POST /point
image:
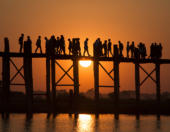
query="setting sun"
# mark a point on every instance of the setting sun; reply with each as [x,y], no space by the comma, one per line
[85,63]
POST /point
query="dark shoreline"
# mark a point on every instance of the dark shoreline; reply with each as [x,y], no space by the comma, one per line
[161,109]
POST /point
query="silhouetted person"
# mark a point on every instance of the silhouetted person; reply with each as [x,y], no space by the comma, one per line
[109,47]
[144,54]
[38,44]
[105,48]
[132,49]
[120,48]
[78,47]
[70,46]
[156,51]
[57,45]
[95,48]
[152,50]
[47,45]
[62,44]
[136,53]
[142,50]
[127,49]
[86,47]
[29,40]
[6,41]
[21,42]
[73,46]
[160,50]
[52,45]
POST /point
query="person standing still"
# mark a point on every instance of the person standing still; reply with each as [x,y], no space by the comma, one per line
[21,42]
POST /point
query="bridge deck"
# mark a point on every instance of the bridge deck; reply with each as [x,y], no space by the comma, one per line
[71,57]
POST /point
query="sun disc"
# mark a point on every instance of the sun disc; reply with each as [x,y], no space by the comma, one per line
[85,63]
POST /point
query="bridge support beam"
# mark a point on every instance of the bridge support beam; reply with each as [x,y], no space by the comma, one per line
[48,82]
[96,79]
[76,76]
[116,74]
[137,81]
[6,79]
[158,94]
[53,77]
[28,78]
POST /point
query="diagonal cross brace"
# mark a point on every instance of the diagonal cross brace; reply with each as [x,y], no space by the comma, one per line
[16,74]
[111,71]
[65,72]
[64,75]
[18,71]
[106,71]
[148,75]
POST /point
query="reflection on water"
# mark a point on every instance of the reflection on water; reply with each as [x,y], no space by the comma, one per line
[85,123]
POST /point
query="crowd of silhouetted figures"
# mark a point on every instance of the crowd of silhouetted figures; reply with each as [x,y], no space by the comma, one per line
[56,45]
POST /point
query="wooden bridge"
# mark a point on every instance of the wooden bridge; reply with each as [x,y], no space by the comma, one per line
[51,63]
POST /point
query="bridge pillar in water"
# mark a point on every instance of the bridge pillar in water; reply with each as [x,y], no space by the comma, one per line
[76,76]
[6,78]
[53,77]
[48,78]
[116,73]
[137,81]
[96,79]
[28,78]
[158,94]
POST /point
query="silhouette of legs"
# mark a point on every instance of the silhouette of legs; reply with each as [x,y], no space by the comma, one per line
[86,50]
[20,48]
[38,47]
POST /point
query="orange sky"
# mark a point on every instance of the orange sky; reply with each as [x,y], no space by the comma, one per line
[146,21]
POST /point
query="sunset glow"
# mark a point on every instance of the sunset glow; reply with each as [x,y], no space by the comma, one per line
[85,63]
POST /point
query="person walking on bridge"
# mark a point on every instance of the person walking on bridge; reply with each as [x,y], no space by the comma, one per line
[109,47]
[86,47]
[127,49]
[120,48]
[62,45]
[21,42]
[38,44]
[105,48]
[70,46]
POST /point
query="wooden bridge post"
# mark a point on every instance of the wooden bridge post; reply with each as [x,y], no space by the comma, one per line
[28,78]
[96,79]
[76,76]
[53,76]
[137,81]
[6,78]
[48,78]
[116,73]
[158,94]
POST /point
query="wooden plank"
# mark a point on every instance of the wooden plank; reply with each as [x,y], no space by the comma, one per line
[92,58]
